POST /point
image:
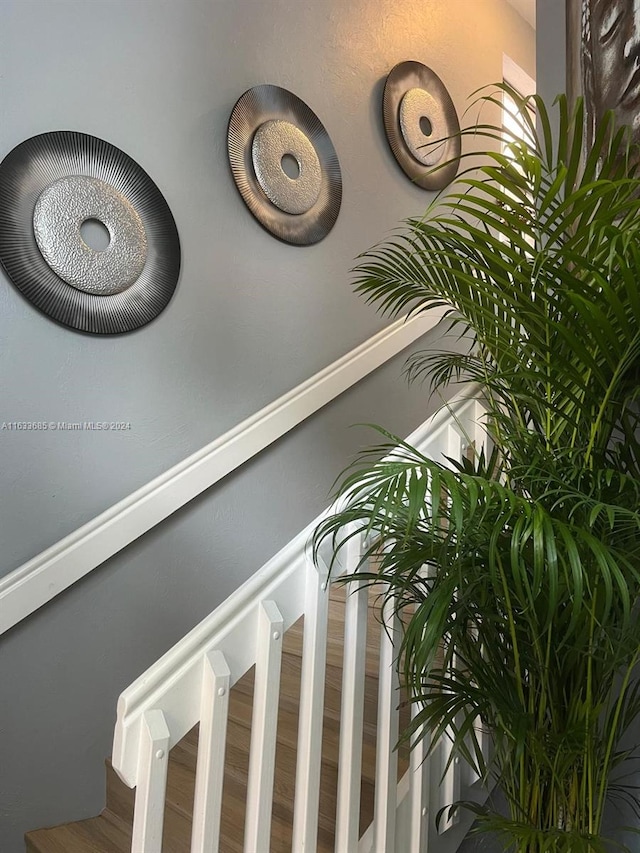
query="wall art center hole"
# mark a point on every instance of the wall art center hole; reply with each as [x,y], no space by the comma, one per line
[95,234]
[290,166]
[425,126]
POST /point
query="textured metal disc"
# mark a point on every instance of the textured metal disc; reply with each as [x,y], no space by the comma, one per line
[266,124]
[273,141]
[49,185]
[60,212]
[422,125]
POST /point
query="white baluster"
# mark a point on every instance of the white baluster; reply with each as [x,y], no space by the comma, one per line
[314,653]
[386,755]
[455,444]
[450,787]
[472,776]
[478,426]
[419,788]
[214,708]
[264,724]
[352,707]
[481,739]
[480,439]
[153,758]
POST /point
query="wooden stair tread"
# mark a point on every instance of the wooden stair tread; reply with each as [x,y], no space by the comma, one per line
[111,832]
[95,835]
[240,711]
[290,689]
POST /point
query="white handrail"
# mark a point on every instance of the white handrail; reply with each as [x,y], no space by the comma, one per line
[245,630]
[40,579]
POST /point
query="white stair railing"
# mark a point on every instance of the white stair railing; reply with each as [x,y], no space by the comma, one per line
[190,684]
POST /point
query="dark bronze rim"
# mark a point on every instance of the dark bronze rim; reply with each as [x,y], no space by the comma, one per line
[402,78]
[253,109]
[33,166]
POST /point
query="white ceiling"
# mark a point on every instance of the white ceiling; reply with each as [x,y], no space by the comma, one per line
[527,8]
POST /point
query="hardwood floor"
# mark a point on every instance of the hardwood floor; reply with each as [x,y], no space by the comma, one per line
[111,831]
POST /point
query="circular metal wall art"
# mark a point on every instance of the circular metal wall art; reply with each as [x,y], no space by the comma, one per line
[422,125]
[298,203]
[50,186]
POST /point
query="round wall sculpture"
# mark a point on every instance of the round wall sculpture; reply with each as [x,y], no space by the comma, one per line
[422,125]
[51,186]
[284,165]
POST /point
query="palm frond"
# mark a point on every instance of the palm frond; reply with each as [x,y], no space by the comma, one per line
[519,572]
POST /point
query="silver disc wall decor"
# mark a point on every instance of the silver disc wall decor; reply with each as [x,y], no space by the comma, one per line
[300,202]
[50,186]
[422,125]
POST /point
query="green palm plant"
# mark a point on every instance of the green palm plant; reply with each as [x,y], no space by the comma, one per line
[520,569]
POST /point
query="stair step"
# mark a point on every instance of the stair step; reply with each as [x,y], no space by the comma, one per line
[96,835]
[290,690]
[111,832]
[293,639]
[241,710]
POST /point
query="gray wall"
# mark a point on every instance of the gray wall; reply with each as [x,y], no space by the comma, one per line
[550,48]
[251,318]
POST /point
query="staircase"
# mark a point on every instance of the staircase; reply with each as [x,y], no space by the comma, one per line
[111,831]
[272,726]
